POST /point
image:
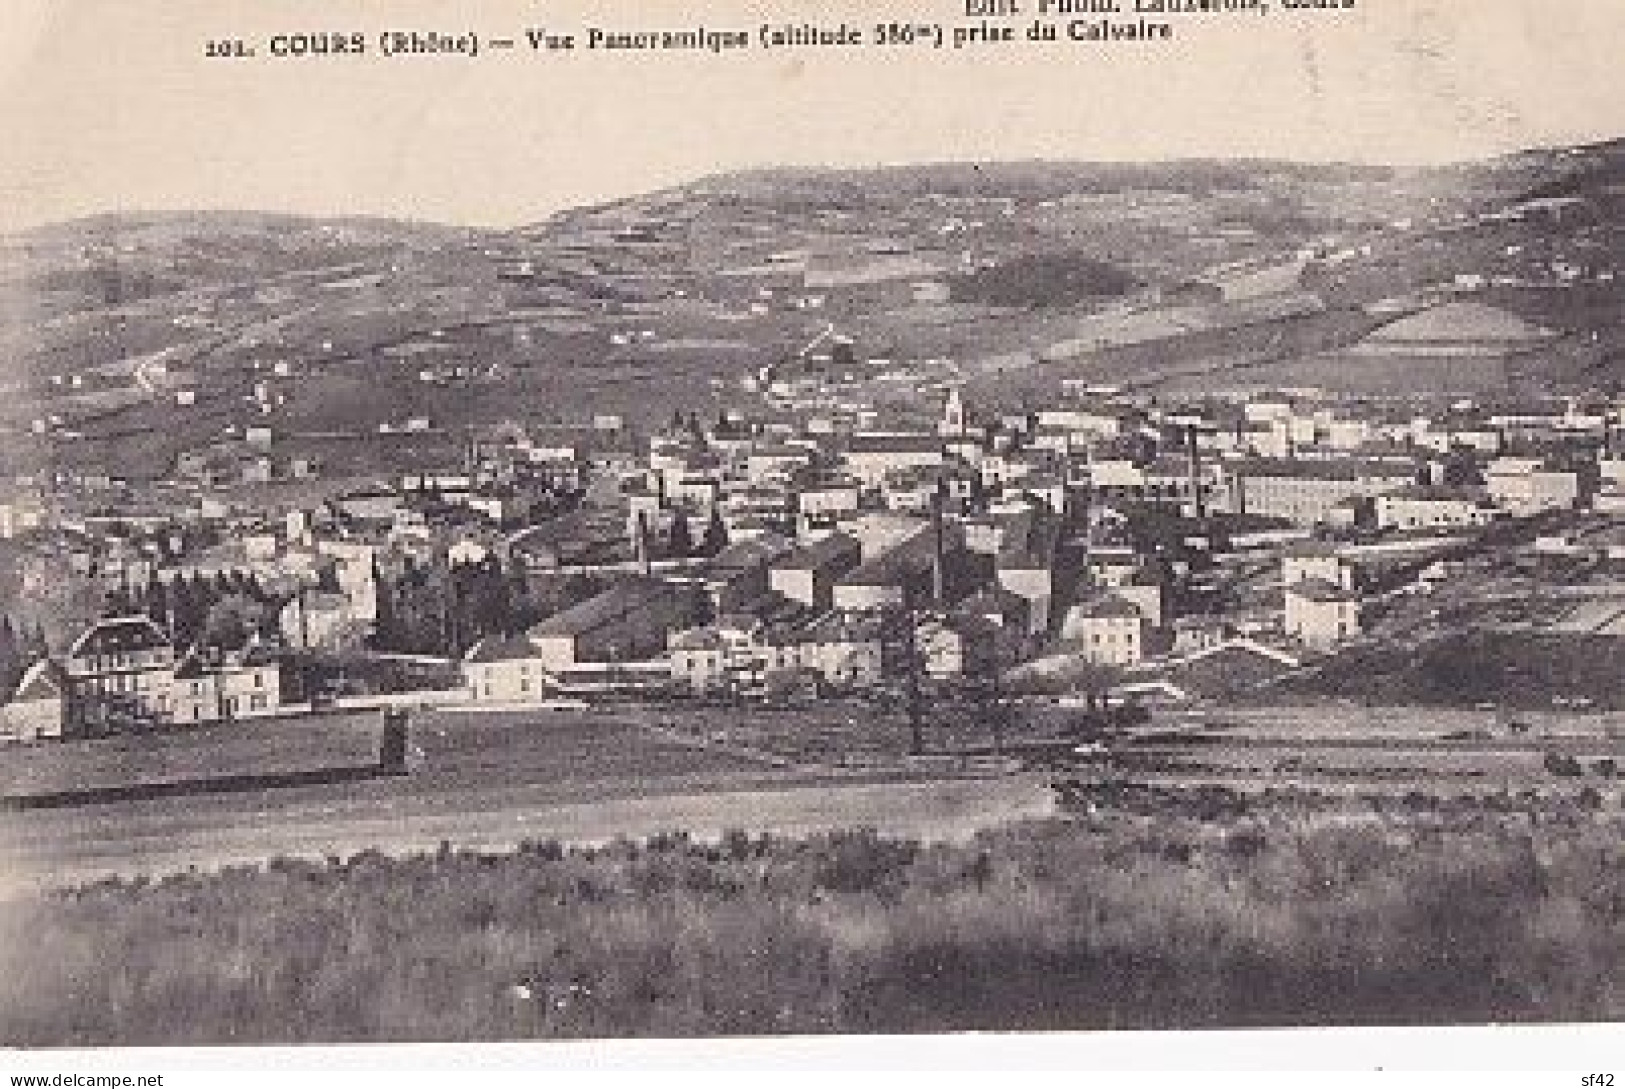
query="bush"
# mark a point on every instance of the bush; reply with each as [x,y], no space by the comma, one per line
[1566,766]
[1160,911]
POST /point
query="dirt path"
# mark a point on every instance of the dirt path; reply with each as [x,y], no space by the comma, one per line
[939,810]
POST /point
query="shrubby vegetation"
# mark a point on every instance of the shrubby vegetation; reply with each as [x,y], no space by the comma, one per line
[1044,280]
[1473,665]
[1136,914]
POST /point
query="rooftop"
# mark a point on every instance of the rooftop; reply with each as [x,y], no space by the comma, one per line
[42,681]
[835,549]
[616,603]
[1030,539]
[841,627]
[905,443]
[1310,550]
[698,639]
[752,553]
[500,649]
[1320,591]
[906,559]
[1330,469]
[120,635]
[1108,607]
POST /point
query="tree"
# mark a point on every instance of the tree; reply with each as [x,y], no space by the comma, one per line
[716,534]
[32,644]
[190,602]
[11,661]
[327,578]
[519,603]
[384,595]
[231,622]
[1461,469]
[680,539]
[157,599]
[115,603]
[484,602]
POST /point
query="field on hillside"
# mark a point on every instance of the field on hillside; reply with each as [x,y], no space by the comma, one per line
[1147,910]
[1464,668]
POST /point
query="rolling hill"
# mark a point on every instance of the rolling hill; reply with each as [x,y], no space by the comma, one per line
[130,336]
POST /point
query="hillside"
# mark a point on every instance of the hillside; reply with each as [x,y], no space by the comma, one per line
[128,337]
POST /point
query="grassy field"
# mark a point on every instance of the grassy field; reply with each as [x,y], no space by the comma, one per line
[1147,910]
[267,747]
[455,752]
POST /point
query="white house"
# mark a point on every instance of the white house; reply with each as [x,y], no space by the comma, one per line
[1107,631]
[699,660]
[498,670]
[1430,507]
[1321,614]
[1524,486]
[34,712]
[224,686]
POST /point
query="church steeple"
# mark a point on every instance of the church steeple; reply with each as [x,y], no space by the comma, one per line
[953,415]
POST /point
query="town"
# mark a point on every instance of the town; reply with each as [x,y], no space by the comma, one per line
[1149,538]
[845,543]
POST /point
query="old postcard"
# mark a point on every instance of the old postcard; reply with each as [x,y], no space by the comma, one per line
[588,520]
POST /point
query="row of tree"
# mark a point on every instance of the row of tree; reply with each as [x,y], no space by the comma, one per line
[443,609]
[224,610]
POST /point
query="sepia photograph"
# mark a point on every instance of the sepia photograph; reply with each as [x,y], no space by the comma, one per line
[688,521]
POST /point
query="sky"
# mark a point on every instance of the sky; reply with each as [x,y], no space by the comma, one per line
[108,105]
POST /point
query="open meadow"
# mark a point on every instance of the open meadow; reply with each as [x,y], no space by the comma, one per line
[1133,908]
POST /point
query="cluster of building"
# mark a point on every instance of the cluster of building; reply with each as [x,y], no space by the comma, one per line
[978,544]
[839,557]
[123,674]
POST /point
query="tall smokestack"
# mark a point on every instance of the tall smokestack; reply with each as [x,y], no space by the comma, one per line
[1193,451]
[641,543]
[939,588]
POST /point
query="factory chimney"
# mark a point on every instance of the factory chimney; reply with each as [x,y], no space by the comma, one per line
[641,543]
[939,579]
[1193,452]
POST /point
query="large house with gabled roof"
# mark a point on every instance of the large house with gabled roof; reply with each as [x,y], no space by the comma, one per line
[122,674]
[119,673]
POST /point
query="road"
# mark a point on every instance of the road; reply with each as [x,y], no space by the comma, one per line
[494,780]
[55,849]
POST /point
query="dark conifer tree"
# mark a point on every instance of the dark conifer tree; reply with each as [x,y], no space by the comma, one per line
[11,658]
[33,644]
[679,539]
[716,534]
